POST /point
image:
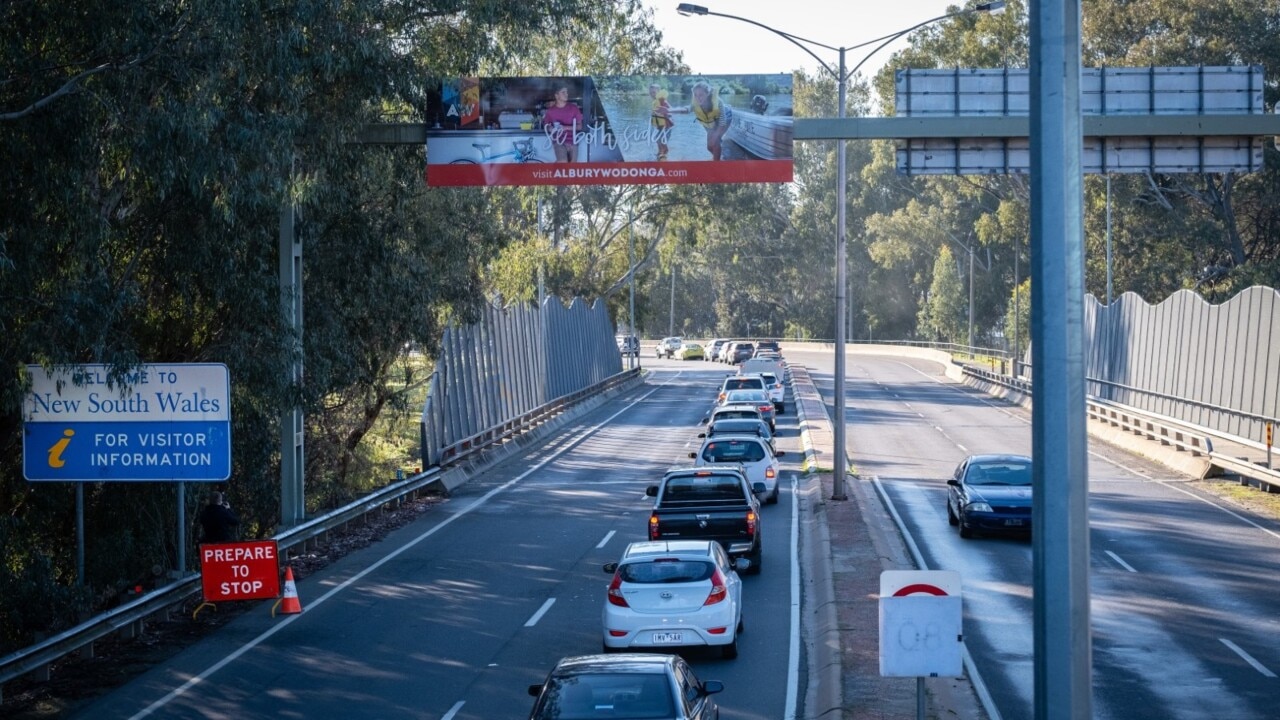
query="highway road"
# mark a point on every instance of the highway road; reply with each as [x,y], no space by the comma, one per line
[1182,585]
[453,616]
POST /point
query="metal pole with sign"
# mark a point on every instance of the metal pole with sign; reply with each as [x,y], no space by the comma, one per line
[921,617]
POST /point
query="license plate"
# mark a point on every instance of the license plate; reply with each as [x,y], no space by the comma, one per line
[668,638]
[1016,522]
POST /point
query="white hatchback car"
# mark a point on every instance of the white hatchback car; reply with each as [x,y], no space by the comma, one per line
[752,452]
[675,593]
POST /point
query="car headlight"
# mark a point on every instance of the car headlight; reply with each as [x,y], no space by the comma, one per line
[979,507]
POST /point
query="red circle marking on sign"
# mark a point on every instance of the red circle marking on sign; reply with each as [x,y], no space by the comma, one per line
[918,588]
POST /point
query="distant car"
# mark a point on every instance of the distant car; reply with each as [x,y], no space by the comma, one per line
[764,346]
[739,382]
[990,494]
[628,344]
[777,393]
[713,348]
[594,687]
[668,346]
[754,453]
[759,398]
[725,412]
[678,593]
[742,351]
[739,426]
[726,351]
[690,351]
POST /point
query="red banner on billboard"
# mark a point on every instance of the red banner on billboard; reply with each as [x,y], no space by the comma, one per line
[611,130]
[240,571]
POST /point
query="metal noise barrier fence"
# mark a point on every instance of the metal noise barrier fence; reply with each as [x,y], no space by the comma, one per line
[1214,366]
[493,374]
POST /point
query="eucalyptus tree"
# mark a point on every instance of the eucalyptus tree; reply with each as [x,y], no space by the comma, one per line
[1217,233]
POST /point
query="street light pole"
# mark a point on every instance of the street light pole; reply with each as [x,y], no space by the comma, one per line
[842,83]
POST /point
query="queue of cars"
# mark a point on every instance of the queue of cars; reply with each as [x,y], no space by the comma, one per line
[682,587]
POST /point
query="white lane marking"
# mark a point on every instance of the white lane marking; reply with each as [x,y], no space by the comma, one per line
[197,679]
[541,611]
[454,710]
[606,539]
[1247,658]
[1120,562]
[793,646]
[975,678]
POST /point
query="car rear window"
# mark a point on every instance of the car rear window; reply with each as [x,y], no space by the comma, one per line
[730,451]
[666,570]
[704,487]
[596,695]
[757,395]
[752,426]
[753,383]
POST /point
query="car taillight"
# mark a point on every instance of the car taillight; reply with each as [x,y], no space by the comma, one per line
[720,398]
[751,523]
[768,472]
[615,592]
[719,588]
[653,526]
[765,408]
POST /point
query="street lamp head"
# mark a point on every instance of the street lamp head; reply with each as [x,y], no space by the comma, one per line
[690,9]
[994,8]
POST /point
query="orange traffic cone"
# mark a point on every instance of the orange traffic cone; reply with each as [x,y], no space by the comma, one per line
[290,604]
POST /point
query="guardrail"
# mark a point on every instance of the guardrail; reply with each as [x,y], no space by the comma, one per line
[1194,440]
[161,601]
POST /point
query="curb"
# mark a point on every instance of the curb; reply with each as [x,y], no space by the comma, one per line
[824,698]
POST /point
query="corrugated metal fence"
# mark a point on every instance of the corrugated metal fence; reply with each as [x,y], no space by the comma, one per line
[510,365]
[1216,366]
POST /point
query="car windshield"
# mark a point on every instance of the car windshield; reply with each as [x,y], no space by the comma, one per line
[1013,472]
[744,451]
[747,396]
[666,570]
[596,695]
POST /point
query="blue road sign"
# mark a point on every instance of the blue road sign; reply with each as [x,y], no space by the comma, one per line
[162,422]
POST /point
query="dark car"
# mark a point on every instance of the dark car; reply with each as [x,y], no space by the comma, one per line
[742,351]
[990,494]
[767,346]
[593,687]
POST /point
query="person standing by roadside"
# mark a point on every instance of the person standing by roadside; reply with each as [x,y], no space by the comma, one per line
[562,120]
[217,521]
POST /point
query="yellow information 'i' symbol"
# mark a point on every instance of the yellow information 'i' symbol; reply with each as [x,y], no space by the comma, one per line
[55,452]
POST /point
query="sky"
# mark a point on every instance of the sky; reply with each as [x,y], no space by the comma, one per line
[716,45]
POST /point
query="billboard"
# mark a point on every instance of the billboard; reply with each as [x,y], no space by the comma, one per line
[610,130]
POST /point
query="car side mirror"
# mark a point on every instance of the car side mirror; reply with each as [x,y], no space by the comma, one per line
[610,567]
[702,435]
[704,421]
[693,455]
[758,488]
[651,491]
[709,687]
[741,565]
[536,690]
[780,453]
[953,481]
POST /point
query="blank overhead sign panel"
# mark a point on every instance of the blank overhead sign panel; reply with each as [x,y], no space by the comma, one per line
[1138,103]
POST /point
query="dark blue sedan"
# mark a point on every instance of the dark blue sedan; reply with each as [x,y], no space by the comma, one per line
[990,494]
